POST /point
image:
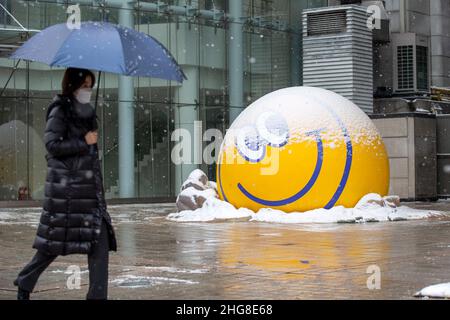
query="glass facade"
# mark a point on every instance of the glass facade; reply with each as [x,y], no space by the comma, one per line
[270,34]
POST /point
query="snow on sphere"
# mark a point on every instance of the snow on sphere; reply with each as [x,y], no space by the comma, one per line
[300,149]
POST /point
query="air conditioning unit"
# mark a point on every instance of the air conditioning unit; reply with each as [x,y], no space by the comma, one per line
[337,52]
[411,61]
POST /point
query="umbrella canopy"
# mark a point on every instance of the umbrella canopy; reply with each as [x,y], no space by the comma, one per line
[102,46]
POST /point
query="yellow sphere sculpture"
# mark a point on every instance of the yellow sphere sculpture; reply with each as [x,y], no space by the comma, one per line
[301,148]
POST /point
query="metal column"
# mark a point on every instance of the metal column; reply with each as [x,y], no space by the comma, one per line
[296,42]
[126,118]
[235,59]
[185,116]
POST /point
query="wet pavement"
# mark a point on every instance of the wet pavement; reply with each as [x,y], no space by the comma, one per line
[161,259]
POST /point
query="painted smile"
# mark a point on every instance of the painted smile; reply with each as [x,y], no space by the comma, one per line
[304,190]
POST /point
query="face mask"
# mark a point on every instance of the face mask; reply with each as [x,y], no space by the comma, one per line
[83,95]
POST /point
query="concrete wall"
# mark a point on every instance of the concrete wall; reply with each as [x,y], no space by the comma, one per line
[410,141]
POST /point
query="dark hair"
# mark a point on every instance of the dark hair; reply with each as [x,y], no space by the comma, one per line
[73,79]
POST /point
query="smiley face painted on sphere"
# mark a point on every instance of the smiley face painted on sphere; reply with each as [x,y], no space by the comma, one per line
[322,150]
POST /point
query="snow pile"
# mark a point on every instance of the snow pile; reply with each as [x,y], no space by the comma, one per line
[371,208]
[212,209]
[195,190]
[437,291]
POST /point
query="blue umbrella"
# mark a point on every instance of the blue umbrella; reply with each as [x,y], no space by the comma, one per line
[102,46]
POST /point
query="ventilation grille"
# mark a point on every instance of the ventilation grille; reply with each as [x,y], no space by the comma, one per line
[322,23]
[405,60]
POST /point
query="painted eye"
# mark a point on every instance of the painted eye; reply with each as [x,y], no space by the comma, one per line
[273,128]
[250,145]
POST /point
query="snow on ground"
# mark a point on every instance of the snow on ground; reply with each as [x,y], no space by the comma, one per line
[176,270]
[68,271]
[212,209]
[436,291]
[371,208]
[20,216]
[133,281]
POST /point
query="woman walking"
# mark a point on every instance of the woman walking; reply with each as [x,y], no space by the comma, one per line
[74,219]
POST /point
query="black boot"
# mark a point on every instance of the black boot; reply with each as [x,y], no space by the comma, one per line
[23,294]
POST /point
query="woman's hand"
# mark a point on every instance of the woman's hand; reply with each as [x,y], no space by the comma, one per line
[91,137]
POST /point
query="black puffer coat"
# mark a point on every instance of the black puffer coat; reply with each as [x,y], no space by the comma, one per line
[74,202]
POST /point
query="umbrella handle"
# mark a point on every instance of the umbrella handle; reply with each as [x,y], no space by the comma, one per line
[91,147]
[98,89]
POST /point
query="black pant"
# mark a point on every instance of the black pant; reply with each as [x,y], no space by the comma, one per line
[98,268]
